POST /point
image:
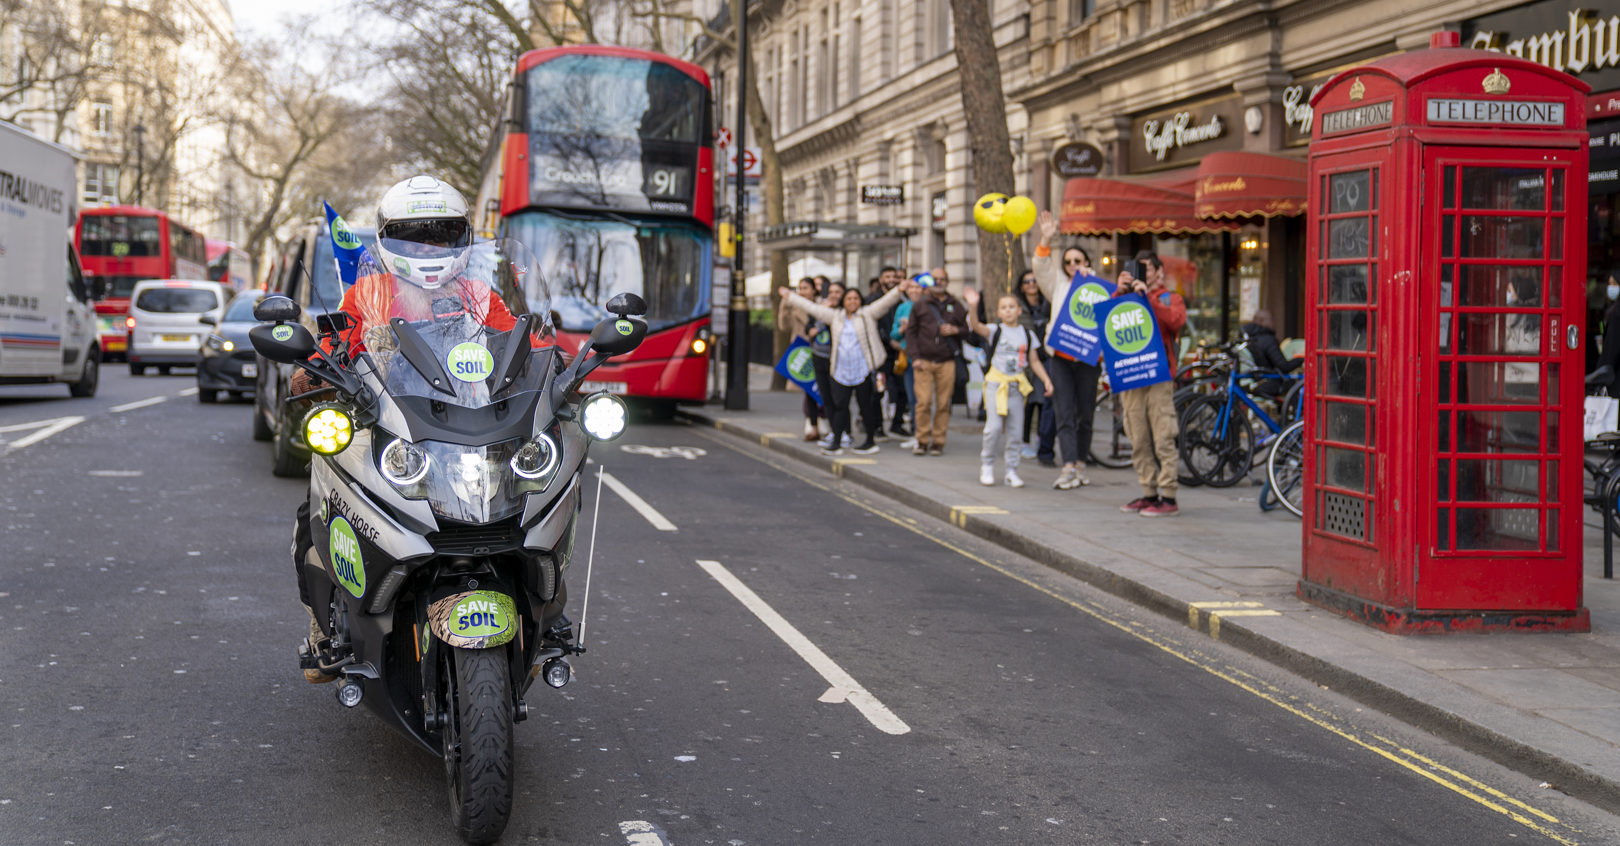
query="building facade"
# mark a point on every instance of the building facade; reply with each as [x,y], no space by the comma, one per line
[1179,100]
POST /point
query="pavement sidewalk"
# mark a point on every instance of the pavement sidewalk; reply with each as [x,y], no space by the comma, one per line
[1545,704]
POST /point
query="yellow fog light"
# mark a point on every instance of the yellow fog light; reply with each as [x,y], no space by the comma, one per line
[328,429]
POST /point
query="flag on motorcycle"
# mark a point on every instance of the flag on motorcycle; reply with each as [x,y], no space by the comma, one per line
[346,246]
[795,365]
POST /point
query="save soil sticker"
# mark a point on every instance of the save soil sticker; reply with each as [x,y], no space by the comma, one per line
[625,327]
[470,362]
[347,563]
[282,333]
[476,619]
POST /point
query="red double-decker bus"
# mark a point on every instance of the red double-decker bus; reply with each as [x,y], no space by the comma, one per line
[604,170]
[122,245]
[229,265]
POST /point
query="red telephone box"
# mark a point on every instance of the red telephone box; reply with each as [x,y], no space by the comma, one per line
[1446,298]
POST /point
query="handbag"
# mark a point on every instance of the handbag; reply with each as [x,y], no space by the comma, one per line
[1602,416]
[901,363]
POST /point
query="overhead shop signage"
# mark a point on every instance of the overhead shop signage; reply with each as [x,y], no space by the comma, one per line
[1495,112]
[1573,37]
[1076,159]
[1603,176]
[1298,116]
[1184,135]
[1359,117]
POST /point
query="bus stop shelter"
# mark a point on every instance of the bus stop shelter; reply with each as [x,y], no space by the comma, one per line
[861,249]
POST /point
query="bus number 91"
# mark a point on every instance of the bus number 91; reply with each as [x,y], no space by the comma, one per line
[666,183]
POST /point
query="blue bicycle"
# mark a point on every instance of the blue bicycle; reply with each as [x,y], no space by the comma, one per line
[1222,432]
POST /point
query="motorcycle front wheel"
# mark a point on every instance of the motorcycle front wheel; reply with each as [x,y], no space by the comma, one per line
[478,742]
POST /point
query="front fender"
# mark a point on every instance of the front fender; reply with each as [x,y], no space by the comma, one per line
[474,619]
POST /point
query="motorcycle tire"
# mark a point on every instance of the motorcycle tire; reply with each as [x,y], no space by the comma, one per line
[478,743]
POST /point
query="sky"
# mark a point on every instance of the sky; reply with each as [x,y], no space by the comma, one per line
[263,17]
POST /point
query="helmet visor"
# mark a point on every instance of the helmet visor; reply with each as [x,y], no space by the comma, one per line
[441,232]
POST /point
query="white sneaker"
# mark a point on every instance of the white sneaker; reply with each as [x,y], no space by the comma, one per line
[1012,479]
[826,441]
[1028,451]
[987,475]
[908,443]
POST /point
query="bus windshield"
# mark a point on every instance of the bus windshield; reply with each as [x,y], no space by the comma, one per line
[120,236]
[588,262]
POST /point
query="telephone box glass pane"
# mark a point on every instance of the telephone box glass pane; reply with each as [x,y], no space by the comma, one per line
[1349,330]
[1552,481]
[1498,528]
[1518,189]
[1499,431]
[1502,237]
[1552,529]
[1349,237]
[1345,423]
[1442,529]
[1491,480]
[1499,334]
[1499,383]
[1347,284]
[1448,199]
[1346,377]
[1555,286]
[1350,192]
[1495,286]
[1557,191]
[1345,468]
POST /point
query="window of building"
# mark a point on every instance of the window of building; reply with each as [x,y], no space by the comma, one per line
[937,19]
[1080,11]
[826,97]
[854,48]
[100,184]
[101,119]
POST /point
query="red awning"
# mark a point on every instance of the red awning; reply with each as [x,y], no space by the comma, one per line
[1238,184]
[1161,204]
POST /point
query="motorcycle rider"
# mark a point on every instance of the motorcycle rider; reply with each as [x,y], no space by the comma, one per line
[422,211]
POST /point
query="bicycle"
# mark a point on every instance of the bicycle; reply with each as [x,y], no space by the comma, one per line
[1285,469]
[1109,447]
[1218,439]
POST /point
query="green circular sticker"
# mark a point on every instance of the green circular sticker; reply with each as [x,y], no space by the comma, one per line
[282,333]
[799,364]
[484,614]
[625,327]
[470,362]
[347,563]
[343,236]
[1129,328]
[1080,305]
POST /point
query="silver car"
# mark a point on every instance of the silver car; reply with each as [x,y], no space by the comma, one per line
[165,326]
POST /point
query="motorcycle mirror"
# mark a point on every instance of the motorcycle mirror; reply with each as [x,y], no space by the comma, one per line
[275,309]
[283,343]
[618,336]
[627,304]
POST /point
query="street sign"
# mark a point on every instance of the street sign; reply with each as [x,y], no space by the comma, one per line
[722,138]
[883,195]
[751,168]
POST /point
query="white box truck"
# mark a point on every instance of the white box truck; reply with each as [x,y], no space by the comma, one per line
[47,322]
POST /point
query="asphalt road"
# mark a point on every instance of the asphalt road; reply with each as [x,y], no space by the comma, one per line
[795,662]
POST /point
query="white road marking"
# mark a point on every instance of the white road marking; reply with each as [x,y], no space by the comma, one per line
[189,392]
[846,687]
[659,521]
[50,427]
[117,474]
[131,406]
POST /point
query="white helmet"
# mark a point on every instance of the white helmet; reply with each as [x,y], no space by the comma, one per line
[421,225]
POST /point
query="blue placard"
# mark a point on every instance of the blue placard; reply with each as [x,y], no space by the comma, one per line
[1075,330]
[346,246]
[795,365]
[1132,346]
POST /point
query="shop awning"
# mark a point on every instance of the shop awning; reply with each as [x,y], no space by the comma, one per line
[1161,204]
[1236,184]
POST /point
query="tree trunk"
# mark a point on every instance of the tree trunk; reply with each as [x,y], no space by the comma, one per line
[986,112]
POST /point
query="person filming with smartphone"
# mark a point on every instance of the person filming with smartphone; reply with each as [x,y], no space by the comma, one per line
[1150,412]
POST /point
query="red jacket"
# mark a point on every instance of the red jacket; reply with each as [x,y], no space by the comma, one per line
[391,303]
[1170,312]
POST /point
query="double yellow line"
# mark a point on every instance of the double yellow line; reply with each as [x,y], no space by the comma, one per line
[1460,783]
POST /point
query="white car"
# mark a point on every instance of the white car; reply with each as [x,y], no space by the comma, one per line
[165,321]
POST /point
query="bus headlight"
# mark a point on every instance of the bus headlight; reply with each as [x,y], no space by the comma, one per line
[604,416]
[403,463]
[328,429]
[535,459]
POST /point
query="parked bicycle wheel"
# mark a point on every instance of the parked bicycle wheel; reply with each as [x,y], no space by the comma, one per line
[1109,445]
[1285,468]
[1183,397]
[1218,456]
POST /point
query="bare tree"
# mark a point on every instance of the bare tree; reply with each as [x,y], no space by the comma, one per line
[50,51]
[985,108]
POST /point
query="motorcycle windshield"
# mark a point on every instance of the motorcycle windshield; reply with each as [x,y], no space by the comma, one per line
[435,320]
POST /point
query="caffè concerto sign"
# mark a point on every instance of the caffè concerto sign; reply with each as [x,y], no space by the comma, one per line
[1184,135]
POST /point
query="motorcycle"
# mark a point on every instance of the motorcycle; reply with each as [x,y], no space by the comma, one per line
[445,483]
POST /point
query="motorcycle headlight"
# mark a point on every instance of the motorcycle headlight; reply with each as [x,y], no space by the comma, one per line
[403,463]
[604,416]
[328,429]
[535,459]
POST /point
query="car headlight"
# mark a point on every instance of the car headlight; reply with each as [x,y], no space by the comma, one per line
[215,342]
[604,416]
[328,428]
[403,463]
[535,459]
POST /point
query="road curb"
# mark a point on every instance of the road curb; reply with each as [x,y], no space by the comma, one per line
[1567,776]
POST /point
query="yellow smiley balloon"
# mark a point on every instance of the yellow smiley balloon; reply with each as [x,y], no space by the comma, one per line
[1018,215]
[987,212]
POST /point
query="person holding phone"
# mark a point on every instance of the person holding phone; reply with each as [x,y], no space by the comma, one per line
[1150,412]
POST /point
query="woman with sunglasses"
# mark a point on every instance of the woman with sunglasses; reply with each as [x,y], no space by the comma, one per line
[1074,396]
